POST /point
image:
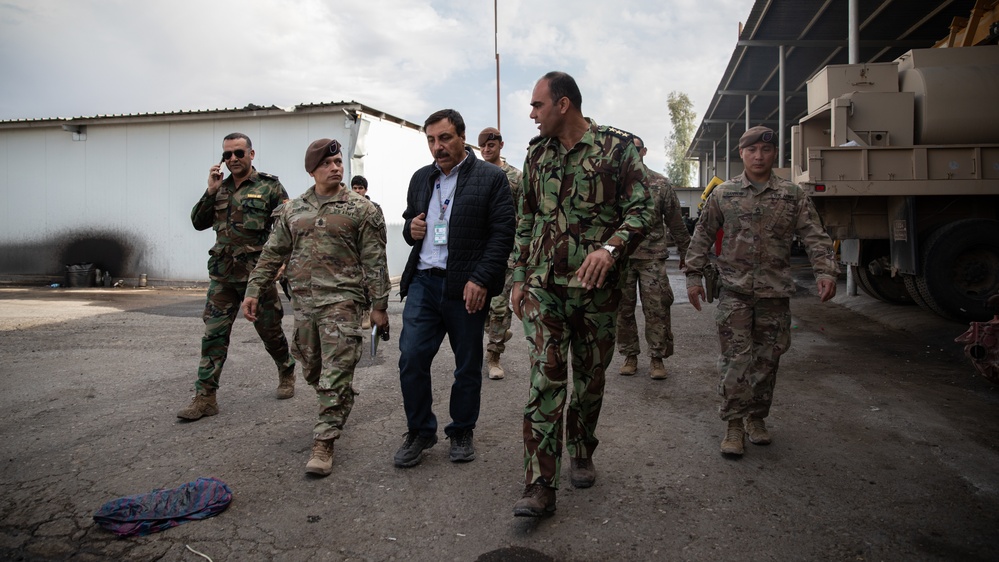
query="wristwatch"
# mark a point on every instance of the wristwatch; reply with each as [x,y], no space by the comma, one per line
[613,251]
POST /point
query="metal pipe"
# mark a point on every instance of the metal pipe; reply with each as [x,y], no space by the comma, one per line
[853,34]
[747,112]
[780,112]
[496,52]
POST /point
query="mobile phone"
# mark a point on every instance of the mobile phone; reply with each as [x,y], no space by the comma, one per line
[220,171]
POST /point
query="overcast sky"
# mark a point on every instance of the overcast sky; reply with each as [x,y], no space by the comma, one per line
[70,58]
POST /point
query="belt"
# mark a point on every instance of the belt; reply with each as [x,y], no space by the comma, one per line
[436,272]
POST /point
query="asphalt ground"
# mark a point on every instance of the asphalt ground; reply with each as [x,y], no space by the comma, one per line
[884,446]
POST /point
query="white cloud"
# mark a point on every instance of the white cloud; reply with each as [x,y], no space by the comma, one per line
[63,58]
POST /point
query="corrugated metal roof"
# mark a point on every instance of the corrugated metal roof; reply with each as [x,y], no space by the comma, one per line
[814,33]
[251,109]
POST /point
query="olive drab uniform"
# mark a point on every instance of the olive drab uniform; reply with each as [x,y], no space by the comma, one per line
[335,249]
[753,315]
[241,218]
[574,202]
[500,315]
[647,269]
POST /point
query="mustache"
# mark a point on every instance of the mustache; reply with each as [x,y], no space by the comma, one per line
[441,153]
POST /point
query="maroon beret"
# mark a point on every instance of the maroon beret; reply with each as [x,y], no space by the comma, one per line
[756,134]
[488,134]
[319,151]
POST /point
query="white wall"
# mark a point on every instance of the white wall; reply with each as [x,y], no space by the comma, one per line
[122,198]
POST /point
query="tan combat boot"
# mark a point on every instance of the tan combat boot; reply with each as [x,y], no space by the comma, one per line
[756,428]
[201,405]
[733,442]
[286,385]
[630,366]
[657,370]
[495,370]
[321,463]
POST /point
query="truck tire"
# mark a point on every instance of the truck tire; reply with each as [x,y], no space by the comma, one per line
[883,287]
[961,269]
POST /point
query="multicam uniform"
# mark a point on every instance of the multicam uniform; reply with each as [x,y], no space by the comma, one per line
[241,219]
[753,315]
[574,202]
[647,269]
[500,315]
[337,251]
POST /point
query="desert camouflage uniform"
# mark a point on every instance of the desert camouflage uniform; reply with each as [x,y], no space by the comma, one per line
[241,219]
[500,315]
[574,202]
[647,269]
[335,251]
[753,315]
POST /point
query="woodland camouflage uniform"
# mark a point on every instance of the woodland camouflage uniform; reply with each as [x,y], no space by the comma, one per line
[574,202]
[241,219]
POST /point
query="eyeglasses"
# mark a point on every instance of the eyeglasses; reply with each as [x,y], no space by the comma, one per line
[239,152]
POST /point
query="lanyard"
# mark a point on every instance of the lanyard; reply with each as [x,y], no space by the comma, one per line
[444,202]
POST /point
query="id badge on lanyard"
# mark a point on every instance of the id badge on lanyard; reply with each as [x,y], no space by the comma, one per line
[440,233]
[440,225]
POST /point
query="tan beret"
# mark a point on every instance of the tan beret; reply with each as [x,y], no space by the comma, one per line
[319,151]
[488,134]
[756,134]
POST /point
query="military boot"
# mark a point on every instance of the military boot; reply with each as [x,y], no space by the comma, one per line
[321,463]
[201,405]
[286,385]
[630,366]
[756,428]
[495,370]
[733,442]
[656,369]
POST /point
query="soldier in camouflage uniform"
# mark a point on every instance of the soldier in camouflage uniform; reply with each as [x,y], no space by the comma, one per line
[584,209]
[647,269]
[239,209]
[500,316]
[334,242]
[759,212]
[359,185]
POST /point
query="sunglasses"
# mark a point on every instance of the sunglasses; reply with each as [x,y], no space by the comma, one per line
[239,152]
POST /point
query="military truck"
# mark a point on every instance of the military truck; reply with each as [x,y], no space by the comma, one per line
[902,162]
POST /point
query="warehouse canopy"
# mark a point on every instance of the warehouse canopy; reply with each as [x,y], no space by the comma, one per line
[814,34]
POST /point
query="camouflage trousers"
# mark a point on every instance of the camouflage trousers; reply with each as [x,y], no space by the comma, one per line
[652,280]
[327,341]
[221,307]
[753,333]
[558,322]
[500,316]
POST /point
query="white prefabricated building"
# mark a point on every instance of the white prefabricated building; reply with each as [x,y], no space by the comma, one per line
[117,191]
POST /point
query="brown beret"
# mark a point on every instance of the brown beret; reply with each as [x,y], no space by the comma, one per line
[318,151]
[756,134]
[488,134]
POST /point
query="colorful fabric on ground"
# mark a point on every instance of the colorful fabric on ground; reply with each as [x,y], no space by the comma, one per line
[143,514]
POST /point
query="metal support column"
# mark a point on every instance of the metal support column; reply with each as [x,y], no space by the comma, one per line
[728,151]
[853,34]
[747,112]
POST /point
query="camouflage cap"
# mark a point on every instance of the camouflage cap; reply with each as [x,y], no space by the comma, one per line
[756,134]
[318,151]
[488,134]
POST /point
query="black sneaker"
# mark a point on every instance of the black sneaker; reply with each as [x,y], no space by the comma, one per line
[461,447]
[411,452]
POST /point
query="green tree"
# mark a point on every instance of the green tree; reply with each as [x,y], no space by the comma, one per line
[679,170]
